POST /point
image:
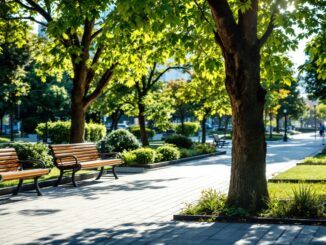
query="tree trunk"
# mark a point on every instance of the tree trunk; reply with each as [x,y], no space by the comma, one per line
[248,185]
[219,122]
[78,113]
[115,117]
[142,125]
[1,124]
[270,125]
[227,118]
[277,123]
[11,119]
[203,130]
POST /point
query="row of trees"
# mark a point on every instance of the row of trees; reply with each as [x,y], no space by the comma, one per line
[235,50]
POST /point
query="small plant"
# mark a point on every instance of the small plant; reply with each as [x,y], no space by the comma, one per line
[120,140]
[304,204]
[179,140]
[211,202]
[144,155]
[168,152]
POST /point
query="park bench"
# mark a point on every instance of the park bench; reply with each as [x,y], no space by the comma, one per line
[219,142]
[11,168]
[74,157]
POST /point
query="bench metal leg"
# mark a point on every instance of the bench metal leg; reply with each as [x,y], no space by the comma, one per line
[18,187]
[114,173]
[73,177]
[37,187]
[59,179]
[100,173]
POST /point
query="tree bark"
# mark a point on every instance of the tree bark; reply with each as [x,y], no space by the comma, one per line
[226,118]
[277,123]
[270,125]
[78,114]
[115,117]
[248,186]
[11,121]
[142,125]
[1,124]
[203,130]
[182,121]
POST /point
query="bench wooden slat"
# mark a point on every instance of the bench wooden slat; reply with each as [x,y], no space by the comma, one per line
[25,174]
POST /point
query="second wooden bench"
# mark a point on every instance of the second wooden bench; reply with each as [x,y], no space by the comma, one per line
[73,157]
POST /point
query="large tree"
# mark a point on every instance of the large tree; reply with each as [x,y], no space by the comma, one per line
[80,36]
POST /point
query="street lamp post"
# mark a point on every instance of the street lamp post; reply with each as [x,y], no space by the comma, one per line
[285,138]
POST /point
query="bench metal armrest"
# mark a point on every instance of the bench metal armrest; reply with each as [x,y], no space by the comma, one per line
[67,156]
[114,154]
[31,161]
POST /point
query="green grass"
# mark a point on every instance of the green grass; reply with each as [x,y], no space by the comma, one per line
[285,190]
[318,159]
[4,140]
[302,172]
[54,174]
[275,136]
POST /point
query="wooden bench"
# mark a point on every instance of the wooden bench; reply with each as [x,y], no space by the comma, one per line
[11,168]
[73,157]
[219,142]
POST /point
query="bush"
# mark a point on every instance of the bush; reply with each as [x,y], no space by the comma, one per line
[128,157]
[144,155]
[135,130]
[205,148]
[59,132]
[179,141]
[4,140]
[28,151]
[168,152]
[304,204]
[120,140]
[190,128]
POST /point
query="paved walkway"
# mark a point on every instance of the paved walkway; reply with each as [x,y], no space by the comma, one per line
[138,208]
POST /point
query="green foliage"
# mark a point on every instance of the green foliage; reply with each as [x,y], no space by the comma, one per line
[205,148]
[168,152]
[144,155]
[59,132]
[4,140]
[315,160]
[321,111]
[211,202]
[304,204]
[179,140]
[135,130]
[29,151]
[189,128]
[128,157]
[120,140]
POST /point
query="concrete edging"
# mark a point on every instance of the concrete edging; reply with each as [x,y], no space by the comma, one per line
[141,168]
[256,220]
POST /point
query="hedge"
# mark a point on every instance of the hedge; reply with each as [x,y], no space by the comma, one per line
[59,131]
[190,128]
[135,130]
[120,140]
[179,140]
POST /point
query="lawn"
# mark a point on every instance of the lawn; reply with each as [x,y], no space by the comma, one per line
[302,172]
[285,190]
[54,174]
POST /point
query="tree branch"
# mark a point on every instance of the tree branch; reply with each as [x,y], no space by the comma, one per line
[203,15]
[40,10]
[268,31]
[167,69]
[96,33]
[151,74]
[25,6]
[104,80]
[225,23]
[25,18]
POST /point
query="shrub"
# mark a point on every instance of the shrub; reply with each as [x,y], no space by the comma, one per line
[179,141]
[190,128]
[120,140]
[205,148]
[168,152]
[128,157]
[144,155]
[4,140]
[59,132]
[28,151]
[135,130]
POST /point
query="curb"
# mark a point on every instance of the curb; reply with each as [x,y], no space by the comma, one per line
[256,220]
[141,168]
[296,180]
